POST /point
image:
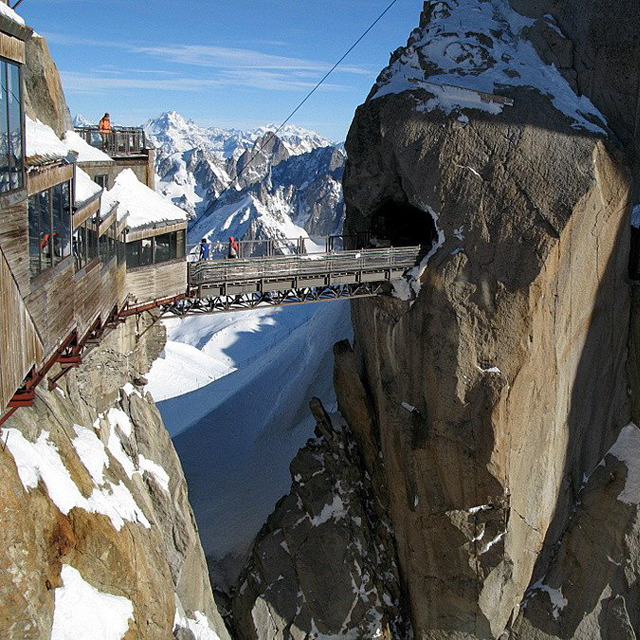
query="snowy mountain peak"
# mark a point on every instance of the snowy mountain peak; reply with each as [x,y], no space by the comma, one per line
[467,51]
[82,121]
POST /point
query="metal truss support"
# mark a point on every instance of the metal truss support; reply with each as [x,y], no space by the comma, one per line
[247,302]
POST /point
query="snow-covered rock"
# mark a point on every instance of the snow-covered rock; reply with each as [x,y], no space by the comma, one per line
[324,565]
[294,177]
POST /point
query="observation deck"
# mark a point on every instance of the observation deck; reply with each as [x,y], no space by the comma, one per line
[120,142]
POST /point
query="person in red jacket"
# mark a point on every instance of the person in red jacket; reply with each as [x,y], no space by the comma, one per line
[234,248]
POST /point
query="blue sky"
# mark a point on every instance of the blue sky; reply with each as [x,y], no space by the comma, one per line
[239,63]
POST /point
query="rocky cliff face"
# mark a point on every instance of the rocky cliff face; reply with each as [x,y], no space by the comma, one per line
[95,510]
[499,387]
[324,565]
[44,97]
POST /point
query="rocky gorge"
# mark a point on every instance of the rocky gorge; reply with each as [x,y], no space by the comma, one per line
[481,478]
[493,402]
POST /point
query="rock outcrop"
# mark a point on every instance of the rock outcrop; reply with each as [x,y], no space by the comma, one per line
[324,564]
[502,382]
[44,97]
[93,498]
[590,587]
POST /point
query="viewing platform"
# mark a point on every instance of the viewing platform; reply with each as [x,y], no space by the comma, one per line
[120,142]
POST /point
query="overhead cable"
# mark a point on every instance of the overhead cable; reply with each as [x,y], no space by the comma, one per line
[293,113]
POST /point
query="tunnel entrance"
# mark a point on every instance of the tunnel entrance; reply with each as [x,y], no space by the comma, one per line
[403,225]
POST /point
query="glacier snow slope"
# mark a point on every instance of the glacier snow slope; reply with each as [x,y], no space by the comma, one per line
[234,391]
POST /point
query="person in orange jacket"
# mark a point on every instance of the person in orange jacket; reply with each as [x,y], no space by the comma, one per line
[104,128]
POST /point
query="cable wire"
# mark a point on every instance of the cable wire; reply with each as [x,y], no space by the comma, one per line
[273,134]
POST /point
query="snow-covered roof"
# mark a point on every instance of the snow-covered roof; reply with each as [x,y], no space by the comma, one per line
[469,46]
[86,153]
[7,12]
[145,207]
[86,188]
[42,144]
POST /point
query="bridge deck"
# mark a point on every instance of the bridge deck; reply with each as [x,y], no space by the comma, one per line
[251,275]
[233,285]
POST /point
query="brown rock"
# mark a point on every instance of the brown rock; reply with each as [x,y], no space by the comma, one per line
[513,353]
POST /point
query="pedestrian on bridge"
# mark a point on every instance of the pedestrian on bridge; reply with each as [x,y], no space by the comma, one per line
[234,248]
[205,249]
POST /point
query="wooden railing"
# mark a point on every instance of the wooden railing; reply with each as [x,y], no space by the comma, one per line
[349,266]
[120,141]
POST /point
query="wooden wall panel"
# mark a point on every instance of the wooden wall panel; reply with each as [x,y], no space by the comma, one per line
[14,237]
[157,281]
[11,48]
[46,177]
[20,345]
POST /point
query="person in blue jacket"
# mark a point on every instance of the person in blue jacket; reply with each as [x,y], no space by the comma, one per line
[205,249]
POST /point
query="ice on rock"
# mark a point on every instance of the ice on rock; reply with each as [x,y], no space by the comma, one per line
[452,61]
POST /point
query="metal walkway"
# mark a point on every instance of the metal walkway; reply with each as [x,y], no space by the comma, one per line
[242,284]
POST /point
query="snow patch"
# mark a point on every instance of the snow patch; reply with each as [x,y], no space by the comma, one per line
[85,187]
[334,510]
[118,418]
[465,71]
[143,205]
[198,625]
[91,452]
[7,12]
[154,469]
[627,450]
[558,602]
[41,461]
[41,140]
[84,151]
[83,613]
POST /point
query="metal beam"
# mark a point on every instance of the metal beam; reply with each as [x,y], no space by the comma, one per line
[248,302]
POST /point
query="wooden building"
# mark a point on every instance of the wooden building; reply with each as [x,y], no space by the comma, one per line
[72,254]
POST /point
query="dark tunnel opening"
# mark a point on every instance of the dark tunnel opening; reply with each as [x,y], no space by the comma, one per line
[403,225]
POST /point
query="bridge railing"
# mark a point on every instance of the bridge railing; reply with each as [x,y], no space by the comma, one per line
[300,246]
[280,267]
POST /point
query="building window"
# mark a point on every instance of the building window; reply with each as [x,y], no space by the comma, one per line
[162,248]
[85,243]
[121,247]
[11,135]
[49,227]
[103,181]
[107,244]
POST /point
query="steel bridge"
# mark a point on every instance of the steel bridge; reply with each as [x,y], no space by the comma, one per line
[248,283]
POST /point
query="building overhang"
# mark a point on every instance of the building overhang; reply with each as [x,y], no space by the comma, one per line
[41,177]
[159,228]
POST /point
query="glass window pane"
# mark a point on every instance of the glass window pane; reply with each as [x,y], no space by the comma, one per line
[92,240]
[180,244]
[46,234]
[80,248]
[163,247]
[34,237]
[60,224]
[146,252]
[133,254]
[65,232]
[5,183]
[15,125]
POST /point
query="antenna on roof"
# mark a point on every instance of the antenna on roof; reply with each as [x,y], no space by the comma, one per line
[16,4]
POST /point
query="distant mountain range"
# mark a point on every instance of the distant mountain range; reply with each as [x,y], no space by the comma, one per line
[284,186]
